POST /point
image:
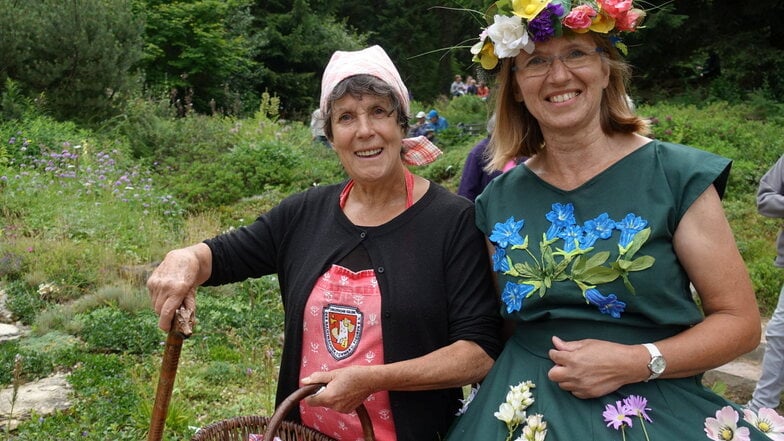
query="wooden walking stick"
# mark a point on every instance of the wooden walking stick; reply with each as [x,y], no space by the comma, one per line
[182,328]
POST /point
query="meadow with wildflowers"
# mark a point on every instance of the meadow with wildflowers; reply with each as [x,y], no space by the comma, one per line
[86,213]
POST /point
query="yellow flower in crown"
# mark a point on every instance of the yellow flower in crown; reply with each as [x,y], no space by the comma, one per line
[602,23]
[528,9]
[484,53]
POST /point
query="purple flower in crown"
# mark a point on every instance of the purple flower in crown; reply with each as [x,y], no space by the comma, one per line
[542,28]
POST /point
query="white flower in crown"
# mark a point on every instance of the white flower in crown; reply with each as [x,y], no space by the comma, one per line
[509,36]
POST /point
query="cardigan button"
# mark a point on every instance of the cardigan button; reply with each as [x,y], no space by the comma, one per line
[380,269]
[362,234]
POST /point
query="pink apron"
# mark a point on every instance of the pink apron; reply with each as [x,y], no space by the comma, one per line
[342,327]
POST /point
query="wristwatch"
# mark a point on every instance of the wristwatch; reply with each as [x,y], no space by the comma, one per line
[657,363]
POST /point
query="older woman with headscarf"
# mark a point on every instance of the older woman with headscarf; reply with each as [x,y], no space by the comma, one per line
[385,279]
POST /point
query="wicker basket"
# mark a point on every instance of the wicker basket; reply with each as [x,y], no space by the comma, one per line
[239,428]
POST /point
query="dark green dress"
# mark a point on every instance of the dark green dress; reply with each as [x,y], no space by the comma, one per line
[595,262]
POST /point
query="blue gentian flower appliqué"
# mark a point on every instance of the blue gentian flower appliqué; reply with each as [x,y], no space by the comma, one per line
[507,233]
[629,226]
[571,235]
[600,227]
[500,264]
[513,295]
[561,216]
[607,304]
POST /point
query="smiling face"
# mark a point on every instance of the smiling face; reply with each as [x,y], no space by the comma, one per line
[562,97]
[367,137]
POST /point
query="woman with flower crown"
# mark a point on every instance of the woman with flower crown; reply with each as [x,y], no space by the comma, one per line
[597,239]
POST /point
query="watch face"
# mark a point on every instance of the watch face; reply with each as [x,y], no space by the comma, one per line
[657,365]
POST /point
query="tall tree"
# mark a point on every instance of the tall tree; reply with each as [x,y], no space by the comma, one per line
[296,43]
[680,36]
[422,37]
[76,54]
[199,52]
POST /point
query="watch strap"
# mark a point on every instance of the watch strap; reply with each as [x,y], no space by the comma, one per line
[655,354]
[652,349]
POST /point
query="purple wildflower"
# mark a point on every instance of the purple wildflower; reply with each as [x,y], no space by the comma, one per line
[636,405]
[615,416]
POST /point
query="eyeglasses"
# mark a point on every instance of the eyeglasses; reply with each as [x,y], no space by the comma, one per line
[539,65]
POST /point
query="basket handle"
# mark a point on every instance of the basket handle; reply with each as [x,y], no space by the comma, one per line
[293,399]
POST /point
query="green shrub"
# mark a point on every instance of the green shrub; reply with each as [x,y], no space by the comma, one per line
[23,301]
[248,209]
[247,159]
[468,109]
[107,397]
[218,313]
[36,134]
[148,126]
[222,372]
[81,67]
[13,103]
[40,356]
[111,330]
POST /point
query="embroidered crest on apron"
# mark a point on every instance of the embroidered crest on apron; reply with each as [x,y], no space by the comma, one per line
[342,330]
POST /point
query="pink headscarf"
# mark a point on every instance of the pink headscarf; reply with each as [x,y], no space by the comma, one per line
[374,61]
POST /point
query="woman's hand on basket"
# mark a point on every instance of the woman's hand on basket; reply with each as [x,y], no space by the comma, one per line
[346,388]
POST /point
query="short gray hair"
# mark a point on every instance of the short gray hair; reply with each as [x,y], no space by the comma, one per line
[358,86]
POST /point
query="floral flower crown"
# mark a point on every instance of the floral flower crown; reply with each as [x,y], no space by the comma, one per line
[516,25]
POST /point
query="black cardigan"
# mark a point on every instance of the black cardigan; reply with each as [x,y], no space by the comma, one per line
[433,272]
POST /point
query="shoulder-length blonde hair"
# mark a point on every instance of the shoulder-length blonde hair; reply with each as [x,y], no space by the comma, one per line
[517,133]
